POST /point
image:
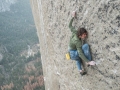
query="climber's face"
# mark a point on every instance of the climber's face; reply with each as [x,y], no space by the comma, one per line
[83,36]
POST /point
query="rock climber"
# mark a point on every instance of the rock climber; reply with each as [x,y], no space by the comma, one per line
[79,51]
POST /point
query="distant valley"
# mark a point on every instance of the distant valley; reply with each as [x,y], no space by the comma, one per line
[20,62]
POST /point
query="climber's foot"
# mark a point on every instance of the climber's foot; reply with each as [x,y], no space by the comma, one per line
[82,72]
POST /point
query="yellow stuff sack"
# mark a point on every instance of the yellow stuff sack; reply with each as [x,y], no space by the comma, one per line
[68,56]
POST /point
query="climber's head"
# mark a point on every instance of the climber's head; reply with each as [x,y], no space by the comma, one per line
[82,33]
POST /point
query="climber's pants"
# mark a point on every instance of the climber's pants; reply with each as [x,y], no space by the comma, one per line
[75,56]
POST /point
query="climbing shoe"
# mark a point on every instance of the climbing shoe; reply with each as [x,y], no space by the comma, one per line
[83,73]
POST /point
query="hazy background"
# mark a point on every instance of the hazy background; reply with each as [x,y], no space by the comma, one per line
[20,65]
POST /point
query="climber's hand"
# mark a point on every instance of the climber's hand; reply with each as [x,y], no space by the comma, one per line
[92,63]
[74,14]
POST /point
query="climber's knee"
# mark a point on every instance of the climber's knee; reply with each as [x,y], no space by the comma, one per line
[85,46]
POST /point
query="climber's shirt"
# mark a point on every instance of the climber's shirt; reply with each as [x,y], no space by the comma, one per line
[76,43]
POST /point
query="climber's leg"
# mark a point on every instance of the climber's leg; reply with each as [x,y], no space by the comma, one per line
[86,51]
[78,63]
[75,56]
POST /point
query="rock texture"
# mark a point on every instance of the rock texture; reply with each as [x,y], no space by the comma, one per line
[102,20]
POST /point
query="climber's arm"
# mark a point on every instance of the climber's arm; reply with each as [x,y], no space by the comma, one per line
[80,52]
[71,21]
[71,27]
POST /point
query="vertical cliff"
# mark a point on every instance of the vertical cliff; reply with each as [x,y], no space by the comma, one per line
[102,20]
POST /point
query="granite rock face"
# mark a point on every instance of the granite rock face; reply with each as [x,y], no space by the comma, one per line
[101,18]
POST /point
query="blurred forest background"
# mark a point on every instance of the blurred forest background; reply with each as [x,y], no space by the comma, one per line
[20,64]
